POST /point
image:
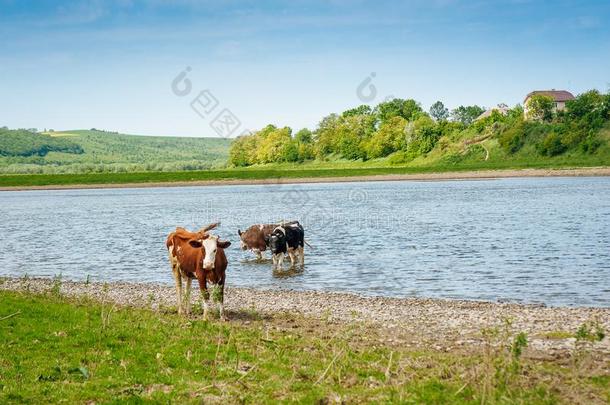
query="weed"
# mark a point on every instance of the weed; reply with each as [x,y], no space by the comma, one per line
[216,293]
[56,286]
[502,365]
[26,282]
[586,336]
[106,308]
[151,300]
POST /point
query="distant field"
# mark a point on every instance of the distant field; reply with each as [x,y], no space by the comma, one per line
[113,152]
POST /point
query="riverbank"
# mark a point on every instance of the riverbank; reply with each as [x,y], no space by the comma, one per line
[125,342]
[253,177]
[440,323]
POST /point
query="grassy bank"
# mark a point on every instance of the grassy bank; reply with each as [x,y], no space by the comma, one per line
[286,171]
[57,349]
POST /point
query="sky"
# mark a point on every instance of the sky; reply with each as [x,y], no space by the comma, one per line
[117,65]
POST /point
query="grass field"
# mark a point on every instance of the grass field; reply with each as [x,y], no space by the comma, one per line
[54,349]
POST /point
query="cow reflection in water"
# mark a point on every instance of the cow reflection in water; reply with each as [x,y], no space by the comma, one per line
[287,273]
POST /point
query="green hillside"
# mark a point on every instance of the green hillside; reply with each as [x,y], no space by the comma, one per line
[89,151]
[23,143]
[399,132]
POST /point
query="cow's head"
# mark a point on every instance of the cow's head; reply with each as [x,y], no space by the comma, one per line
[276,241]
[209,244]
[242,243]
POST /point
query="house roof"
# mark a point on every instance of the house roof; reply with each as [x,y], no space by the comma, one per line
[557,95]
[501,109]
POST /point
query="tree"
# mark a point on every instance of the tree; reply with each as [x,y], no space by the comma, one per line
[304,144]
[351,133]
[243,151]
[304,136]
[540,107]
[407,109]
[422,135]
[439,112]
[325,135]
[275,146]
[467,114]
[389,138]
[360,110]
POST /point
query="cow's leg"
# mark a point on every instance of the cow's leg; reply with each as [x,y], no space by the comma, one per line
[278,261]
[291,256]
[258,254]
[178,280]
[274,258]
[205,294]
[302,254]
[187,296]
[221,302]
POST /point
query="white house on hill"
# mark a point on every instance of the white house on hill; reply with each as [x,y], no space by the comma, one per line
[559,97]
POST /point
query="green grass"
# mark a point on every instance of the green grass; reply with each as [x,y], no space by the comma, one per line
[54,349]
[283,171]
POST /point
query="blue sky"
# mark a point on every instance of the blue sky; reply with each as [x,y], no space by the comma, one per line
[110,64]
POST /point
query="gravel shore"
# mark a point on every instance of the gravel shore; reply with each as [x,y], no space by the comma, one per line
[444,324]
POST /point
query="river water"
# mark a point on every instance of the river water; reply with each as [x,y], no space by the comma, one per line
[531,240]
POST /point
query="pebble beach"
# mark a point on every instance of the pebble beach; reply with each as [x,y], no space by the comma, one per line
[437,323]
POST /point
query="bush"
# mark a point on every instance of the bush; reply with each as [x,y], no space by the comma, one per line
[513,139]
[552,145]
[590,144]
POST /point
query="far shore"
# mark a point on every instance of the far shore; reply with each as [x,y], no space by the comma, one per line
[439,176]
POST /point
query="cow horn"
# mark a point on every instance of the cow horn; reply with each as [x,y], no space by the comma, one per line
[209,227]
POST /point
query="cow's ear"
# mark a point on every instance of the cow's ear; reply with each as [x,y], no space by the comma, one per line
[223,244]
[239,232]
[195,243]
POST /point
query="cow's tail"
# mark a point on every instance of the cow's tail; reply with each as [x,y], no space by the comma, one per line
[308,245]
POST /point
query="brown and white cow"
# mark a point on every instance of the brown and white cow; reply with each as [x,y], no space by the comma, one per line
[198,255]
[255,238]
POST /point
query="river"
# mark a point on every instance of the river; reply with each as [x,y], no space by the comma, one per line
[530,240]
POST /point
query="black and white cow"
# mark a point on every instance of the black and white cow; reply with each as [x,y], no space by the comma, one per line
[287,238]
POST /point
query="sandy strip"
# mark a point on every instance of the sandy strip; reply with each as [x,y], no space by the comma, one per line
[473,175]
[454,322]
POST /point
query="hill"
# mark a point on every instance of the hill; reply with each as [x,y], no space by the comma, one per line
[399,133]
[87,151]
[24,143]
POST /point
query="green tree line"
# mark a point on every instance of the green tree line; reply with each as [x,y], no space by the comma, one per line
[401,129]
